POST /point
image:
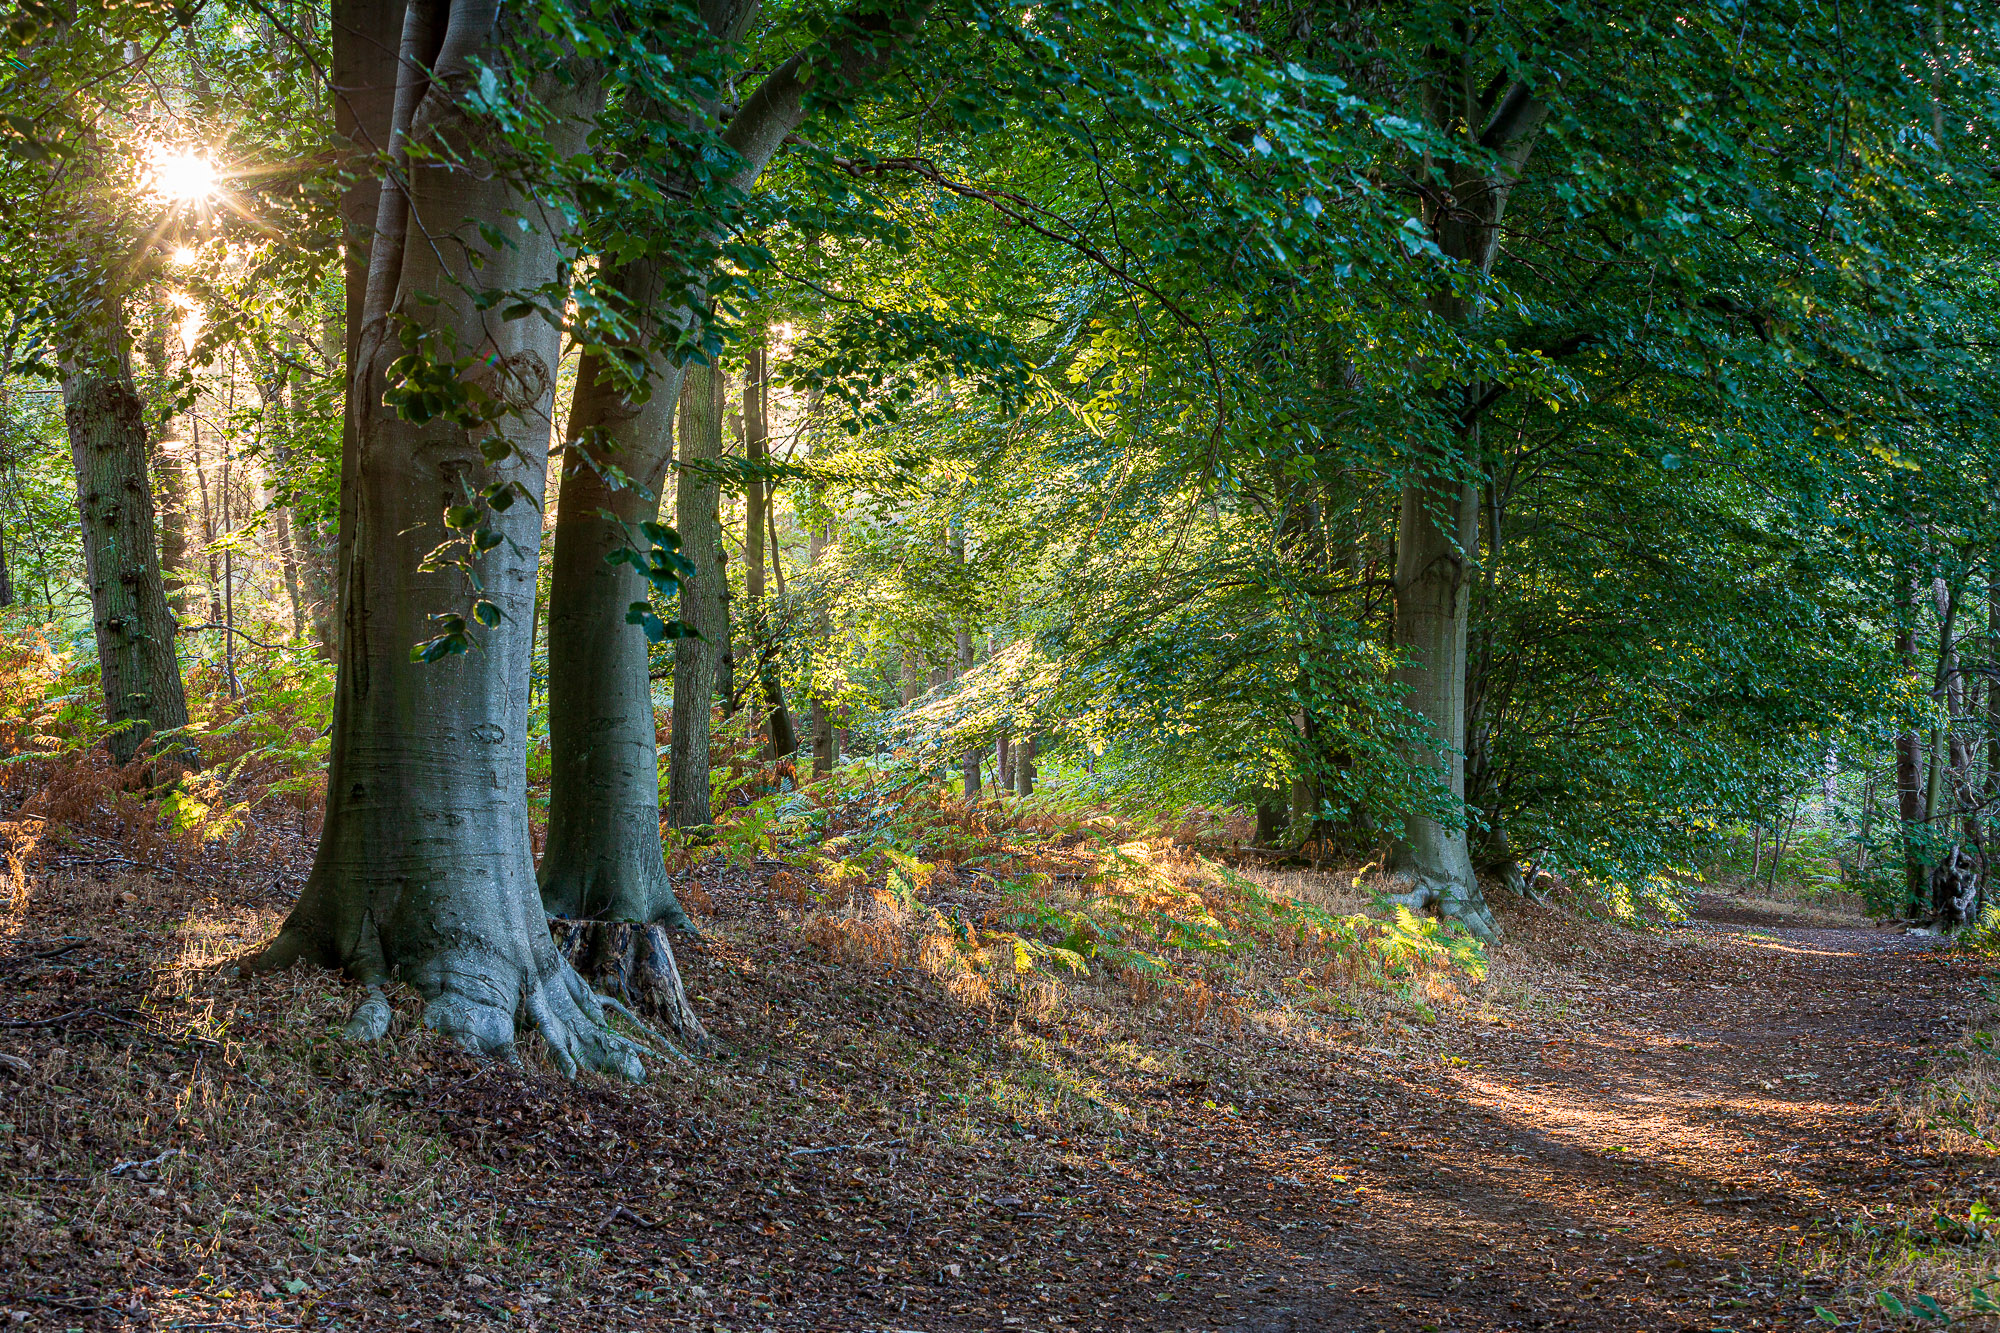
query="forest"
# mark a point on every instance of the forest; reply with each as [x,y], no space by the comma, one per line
[924,665]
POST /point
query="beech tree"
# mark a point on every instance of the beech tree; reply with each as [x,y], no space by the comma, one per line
[424,870]
[604,861]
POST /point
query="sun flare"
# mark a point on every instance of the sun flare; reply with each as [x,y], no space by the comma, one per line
[184,176]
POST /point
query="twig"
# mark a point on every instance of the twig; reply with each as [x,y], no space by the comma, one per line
[49,1022]
[842,1147]
[621,1211]
[123,1167]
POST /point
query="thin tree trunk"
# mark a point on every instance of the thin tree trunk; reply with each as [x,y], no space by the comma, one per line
[758,520]
[424,869]
[135,628]
[1024,766]
[968,763]
[1993,699]
[703,609]
[1909,764]
[171,479]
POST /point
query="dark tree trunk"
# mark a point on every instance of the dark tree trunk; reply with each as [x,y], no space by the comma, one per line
[702,609]
[424,870]
[757,519]
[1024,766]
[135,628]
[825,754]
[1272,810]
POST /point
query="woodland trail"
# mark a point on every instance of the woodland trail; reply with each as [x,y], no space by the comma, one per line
[1617,1130]
[1655,1166]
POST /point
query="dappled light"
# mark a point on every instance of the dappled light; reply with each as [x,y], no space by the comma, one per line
[1328,668]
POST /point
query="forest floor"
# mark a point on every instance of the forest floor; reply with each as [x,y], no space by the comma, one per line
[1697,1127]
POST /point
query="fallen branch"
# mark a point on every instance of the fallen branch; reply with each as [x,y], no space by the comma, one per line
[50,1022]
[843,1147]
[135,1164]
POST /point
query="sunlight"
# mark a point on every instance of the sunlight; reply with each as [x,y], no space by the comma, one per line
[184,176]
[188,328]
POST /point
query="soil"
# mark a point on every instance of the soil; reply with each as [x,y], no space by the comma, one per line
[1627,1130]
[1665,1164]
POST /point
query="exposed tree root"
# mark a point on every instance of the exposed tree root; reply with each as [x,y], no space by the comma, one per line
[634,962]
[1450,899]
[476,997]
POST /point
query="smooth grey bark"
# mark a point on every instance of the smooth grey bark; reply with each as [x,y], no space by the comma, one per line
[605,747]
[134,626]
[366,45]
[1438,521]
[603,858]
[424,870]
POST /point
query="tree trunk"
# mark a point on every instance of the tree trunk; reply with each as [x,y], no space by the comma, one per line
[1436,535]
[6,577]
[603,875]
[1909,770]
[424,869]
[171,479]
[703,608]
[1438,530]
[825,755]
[599,684]
[128,599]
[603,859]
[1024,766]
[1993,701]
[365,40]
[968,763]
[757,520]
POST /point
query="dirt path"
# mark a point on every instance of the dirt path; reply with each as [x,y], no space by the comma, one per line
[1626,1132]
[1648,1162]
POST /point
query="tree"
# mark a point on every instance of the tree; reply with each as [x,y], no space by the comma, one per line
[604,859]
[424,869]
[135,628]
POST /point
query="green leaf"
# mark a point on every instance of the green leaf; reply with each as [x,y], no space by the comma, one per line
[486,613]
[1891,1304]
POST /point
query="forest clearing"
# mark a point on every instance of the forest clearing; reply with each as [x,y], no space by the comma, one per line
[956,665]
